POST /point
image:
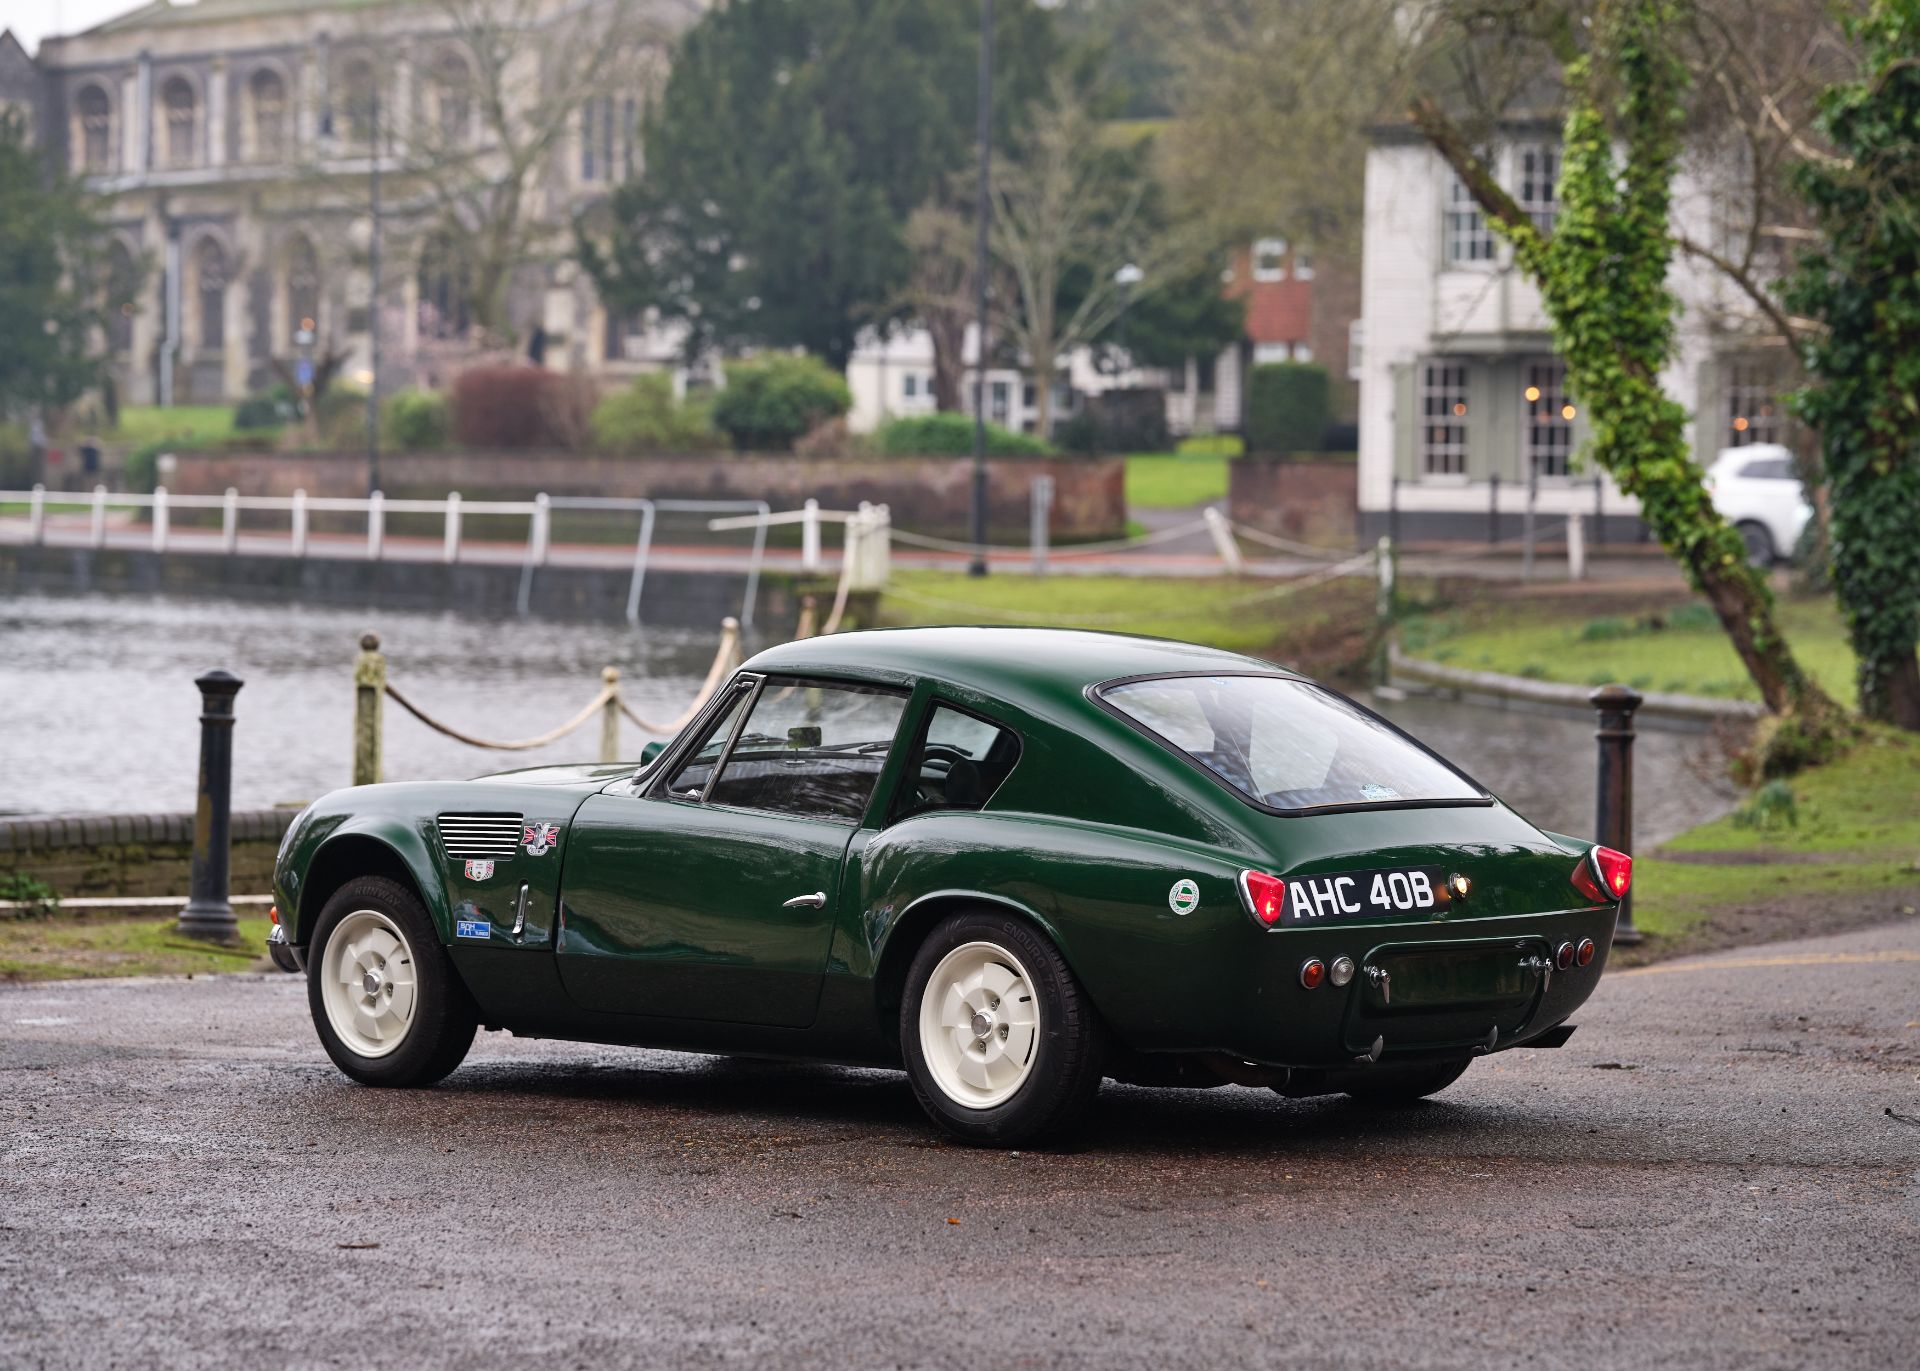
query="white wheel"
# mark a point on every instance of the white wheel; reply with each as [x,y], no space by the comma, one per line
[979,1025]
[367,983]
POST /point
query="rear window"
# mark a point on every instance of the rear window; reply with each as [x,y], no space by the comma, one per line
[1288,744]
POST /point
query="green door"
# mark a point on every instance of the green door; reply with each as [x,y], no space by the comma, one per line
[711,892]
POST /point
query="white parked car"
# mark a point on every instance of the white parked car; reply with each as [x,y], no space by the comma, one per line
[1757,491]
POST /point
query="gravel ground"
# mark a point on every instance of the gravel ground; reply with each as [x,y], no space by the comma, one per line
[1718,1171]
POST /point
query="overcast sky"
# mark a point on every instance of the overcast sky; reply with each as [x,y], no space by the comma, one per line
[32,20]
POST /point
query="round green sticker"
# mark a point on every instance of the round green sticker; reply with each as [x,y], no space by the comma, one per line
[1184,898]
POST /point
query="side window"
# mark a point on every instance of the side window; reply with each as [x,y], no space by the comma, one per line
[812,749]
[694,773]
[960,763]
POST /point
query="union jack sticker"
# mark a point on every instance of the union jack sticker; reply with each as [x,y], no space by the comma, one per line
[539,839]
[478,870]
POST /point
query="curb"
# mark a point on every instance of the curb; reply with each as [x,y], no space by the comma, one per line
[1694,708]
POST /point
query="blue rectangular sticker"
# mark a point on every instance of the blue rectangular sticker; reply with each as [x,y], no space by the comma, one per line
[473,928]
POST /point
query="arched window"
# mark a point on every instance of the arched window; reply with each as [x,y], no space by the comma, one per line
[96,130]
[210,294]
[453,98]
[123,281]
[267,94]
[303,285]
[444,283]
[357,109]
[183,122]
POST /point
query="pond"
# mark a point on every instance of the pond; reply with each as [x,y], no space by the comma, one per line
[101,714]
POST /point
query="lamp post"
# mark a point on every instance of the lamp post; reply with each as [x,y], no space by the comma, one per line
[373,296]
[983,214]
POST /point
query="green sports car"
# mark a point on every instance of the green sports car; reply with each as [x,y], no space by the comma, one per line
[1014,861]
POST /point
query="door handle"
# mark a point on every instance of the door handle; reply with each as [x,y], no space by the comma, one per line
[817,900]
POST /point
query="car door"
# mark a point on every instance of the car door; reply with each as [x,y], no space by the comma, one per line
[710,893]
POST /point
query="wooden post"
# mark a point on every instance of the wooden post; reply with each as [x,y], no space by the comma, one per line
[450,547]
[810,537]
[98,533]
[610,716]
[159,518]
[230,521]
[369,690]
[1223,541]
[37,514]
[809,619]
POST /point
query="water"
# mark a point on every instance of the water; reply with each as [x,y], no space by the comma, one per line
[101,714]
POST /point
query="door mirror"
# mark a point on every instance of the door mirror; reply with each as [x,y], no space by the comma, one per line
[650,751]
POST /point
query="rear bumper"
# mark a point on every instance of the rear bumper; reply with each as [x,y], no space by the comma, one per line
[1451,989]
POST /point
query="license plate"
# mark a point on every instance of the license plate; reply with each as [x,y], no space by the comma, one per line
[1354,896]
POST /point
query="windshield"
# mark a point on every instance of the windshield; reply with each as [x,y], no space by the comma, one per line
[1289,744]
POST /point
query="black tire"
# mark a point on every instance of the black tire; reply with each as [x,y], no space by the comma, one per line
[1760,549]
[1068,1052]
[1405,1084]
[444,1018]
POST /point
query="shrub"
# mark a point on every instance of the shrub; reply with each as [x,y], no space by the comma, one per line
[340,417]
[520,407]
[1118,421]
[1286,407]
[417,420]
[950,434]
[771,401]
[266,409]
[1601,630]
[35,896]
[1211,445]
[645,417]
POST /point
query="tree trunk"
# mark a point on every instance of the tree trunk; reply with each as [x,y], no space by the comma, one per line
[948,330]
[1043,370]
[1900,694]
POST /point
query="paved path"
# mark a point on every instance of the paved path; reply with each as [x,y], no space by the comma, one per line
[1706,1176]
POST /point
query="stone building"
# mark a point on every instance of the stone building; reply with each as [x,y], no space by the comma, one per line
[236,142]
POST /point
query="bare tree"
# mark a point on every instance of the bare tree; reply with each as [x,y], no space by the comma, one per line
[940,291]
[1069,204]
[499,91]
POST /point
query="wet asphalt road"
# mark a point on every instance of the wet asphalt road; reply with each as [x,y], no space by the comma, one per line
[1706,1176]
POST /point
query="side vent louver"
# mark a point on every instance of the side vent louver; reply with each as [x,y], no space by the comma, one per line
[480,835]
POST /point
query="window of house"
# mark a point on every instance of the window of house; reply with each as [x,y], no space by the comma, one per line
[358,101]
[597,139]
[910,385]
[267,101]
[1272,352]
[1443,419]
[453,98]
[183,122]
[1468,239]
[443,287]
[1546,443]
[96,130]
[1356,348]
[1302,264]
[210,292]
[1753,411]
[960,762]
[1270,259]
[1539,167]
[1303,352]
[999,401]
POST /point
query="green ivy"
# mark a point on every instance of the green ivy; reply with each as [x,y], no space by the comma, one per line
[1602,274]
[1863,284]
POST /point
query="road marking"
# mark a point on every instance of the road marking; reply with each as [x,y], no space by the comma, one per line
[1749,963]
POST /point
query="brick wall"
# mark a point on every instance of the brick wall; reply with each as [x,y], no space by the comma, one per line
[926,494]
[1311,501]
[135,854]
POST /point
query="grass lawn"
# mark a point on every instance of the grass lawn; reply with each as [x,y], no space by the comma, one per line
[1677,647]
[1854,848]
[1166,480]
[66,947]
[1236,615]
[141,424]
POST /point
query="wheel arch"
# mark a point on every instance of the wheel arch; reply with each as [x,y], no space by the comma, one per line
[360,853]
[906,933]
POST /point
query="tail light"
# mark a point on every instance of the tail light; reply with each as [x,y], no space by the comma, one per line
[1584,954]
[1604,874]
[1312,972]
[1266,897]
[1563,957]
[273,914]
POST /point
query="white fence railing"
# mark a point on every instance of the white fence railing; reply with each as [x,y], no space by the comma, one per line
[299,509]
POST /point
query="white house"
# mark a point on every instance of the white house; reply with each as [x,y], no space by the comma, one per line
[1464,412]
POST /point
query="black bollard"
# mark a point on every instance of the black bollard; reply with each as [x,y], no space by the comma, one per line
[1614,791]
[208,913]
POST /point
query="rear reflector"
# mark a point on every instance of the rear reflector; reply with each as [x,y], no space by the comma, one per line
[1604,874]
[1585,953]
[1266,897]
[1563,957]
[1312,972]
